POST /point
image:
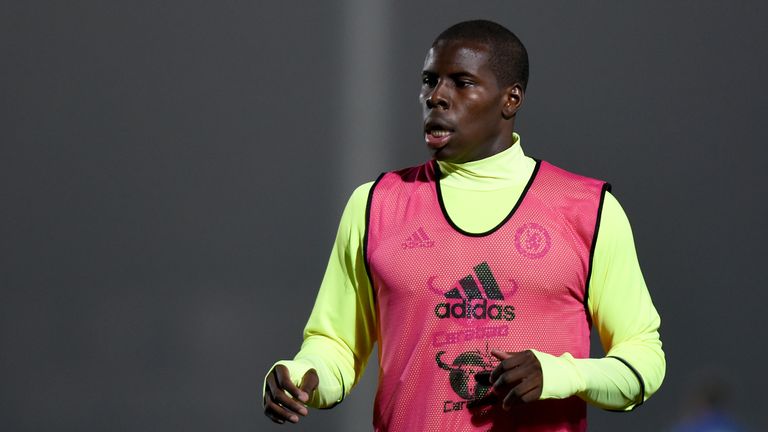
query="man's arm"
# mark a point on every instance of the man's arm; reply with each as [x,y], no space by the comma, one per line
[626,320]
[341,330]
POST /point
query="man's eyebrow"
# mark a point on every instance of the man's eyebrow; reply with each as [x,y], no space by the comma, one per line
[463,74]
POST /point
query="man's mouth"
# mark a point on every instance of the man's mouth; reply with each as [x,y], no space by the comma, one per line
[437,138]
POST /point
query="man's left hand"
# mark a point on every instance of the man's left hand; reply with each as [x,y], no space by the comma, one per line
[517,379]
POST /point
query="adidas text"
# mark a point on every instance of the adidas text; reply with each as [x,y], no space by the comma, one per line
[477,310]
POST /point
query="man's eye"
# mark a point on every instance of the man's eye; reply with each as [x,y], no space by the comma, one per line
[464,83]
[429,81]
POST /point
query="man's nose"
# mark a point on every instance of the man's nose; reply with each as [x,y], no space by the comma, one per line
[439,97]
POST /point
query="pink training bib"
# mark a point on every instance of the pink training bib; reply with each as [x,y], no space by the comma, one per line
[446,297]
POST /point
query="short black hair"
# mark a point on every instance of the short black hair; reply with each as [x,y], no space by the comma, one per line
[509,58]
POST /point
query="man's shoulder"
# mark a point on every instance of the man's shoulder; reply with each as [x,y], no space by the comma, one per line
[417,173]
[359,199]
[566,173]
[424,173]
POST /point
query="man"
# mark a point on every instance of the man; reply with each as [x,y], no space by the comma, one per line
[479,273]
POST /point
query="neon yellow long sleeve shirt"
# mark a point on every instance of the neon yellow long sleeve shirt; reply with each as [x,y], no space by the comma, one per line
[341,331]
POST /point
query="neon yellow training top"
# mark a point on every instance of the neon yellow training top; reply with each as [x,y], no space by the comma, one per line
[341,331]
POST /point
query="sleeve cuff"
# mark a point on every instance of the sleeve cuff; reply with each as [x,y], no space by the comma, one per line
[560,375]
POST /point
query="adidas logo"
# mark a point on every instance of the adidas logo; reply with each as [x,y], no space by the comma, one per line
[419,238]
[473,305]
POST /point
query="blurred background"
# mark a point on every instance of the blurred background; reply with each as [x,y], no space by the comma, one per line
[172,175]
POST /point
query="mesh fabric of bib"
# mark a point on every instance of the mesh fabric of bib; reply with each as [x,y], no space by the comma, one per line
[445,298]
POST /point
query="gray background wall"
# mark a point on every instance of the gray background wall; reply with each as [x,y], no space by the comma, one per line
[171,177]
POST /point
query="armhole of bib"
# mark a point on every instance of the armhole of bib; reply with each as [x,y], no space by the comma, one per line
[605,188]
[367,229]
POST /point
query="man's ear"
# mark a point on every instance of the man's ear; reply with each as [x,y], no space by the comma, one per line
[513,100]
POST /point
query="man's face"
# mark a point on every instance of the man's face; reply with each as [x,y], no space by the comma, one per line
[462,103]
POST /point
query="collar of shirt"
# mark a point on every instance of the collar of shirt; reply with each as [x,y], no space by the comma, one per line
[500,171]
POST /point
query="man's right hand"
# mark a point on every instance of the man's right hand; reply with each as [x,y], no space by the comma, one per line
[281,407]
